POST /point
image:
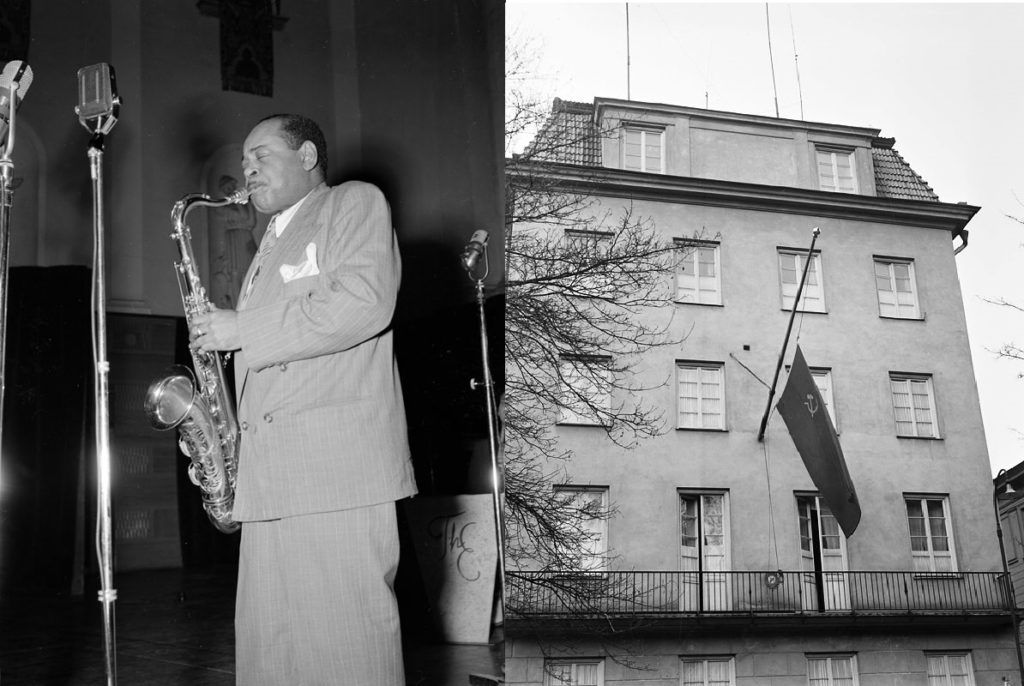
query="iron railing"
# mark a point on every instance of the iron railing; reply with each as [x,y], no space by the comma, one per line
[756,593]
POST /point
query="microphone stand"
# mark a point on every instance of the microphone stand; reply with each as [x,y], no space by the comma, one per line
[104,537]
[492,423]
[6,201]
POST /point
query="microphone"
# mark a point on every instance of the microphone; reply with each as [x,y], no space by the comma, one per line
[474,249]
[97,97]
[16,72]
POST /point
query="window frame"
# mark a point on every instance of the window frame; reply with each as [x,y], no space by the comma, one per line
[701,366]
[693,295]
[817,267]
[833,151]
[890,263]
[829,657]
[600,557]
[946,654]
[911,378]
[574,663]
[730,660]
[930,554]
[602,240]
[569,416]
[644,130]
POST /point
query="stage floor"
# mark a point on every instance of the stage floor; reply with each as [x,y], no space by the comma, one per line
[172,627]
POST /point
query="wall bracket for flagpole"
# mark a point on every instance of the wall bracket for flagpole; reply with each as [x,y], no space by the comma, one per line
[789,329]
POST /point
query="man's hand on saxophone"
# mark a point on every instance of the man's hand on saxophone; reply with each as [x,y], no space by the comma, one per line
[215,330]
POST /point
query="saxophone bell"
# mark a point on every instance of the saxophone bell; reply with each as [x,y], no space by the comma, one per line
[169,400]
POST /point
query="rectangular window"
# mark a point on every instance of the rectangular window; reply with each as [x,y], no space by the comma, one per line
[836,171]
[586,254]
[586,389]
[698,278]
[931,536]
[950,669]
[701,395]
[791,269]
[831,670]
[823,380]
[913,404]
[574,673]
[643,149]
[708,671]
[587,522]
[705,554]
[897,289]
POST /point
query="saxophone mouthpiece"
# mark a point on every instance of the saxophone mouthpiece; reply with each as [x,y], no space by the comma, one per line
[241,196]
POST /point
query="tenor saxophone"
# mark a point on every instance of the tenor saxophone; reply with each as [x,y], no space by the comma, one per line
[200,404]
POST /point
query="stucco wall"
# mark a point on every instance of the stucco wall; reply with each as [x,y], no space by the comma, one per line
[882,658]
[860,347]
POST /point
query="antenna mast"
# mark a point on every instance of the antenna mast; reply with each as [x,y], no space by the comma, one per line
[628,97]
[796,62]
[771,60]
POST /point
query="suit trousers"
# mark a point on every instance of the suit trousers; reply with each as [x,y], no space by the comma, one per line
[315,602]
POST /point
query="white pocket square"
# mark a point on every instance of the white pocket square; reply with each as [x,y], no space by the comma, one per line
[290,272]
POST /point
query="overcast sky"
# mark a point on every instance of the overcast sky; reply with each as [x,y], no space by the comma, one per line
[943,79]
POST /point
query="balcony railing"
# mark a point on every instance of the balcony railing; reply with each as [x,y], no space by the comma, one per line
[756,593]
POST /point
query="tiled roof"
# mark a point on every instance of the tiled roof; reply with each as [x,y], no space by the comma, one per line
[893,176]
[570,136]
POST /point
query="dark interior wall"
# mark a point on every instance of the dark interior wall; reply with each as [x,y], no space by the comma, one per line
[430,89]
[430,93]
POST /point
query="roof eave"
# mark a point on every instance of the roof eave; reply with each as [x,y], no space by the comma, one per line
[952,217]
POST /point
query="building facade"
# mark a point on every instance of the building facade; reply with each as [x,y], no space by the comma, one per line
[722,564]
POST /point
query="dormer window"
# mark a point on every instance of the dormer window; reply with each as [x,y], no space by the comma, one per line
[836,170]
[643,149]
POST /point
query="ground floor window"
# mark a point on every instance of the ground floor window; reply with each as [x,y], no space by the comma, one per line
[708,671]
[831,670]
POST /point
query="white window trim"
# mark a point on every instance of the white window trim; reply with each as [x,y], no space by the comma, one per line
[909,379]
[912,311]
[597,559]
[695,295]
[833,152]
[719,368]
[817,305]
[704,660]
[945,654]
[828,395]
[569,373]
[644,131]
[930,554]
[836,656]
[549,680]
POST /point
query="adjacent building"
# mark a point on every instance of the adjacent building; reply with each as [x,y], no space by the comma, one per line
[722,564]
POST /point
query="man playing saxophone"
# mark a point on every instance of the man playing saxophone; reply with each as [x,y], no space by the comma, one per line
[323,449]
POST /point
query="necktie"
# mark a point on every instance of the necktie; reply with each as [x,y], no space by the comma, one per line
[266,245]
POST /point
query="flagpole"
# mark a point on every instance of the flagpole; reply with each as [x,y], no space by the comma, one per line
[789,330]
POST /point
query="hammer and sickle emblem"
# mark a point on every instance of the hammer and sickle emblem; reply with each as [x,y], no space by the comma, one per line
[811,404]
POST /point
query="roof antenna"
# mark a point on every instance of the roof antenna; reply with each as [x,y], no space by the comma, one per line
[627,53]
[771,60]
[796,62]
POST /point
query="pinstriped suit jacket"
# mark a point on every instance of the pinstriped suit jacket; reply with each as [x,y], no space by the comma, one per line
[319,398]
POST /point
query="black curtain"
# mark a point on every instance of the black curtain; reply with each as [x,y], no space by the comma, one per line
[47,423]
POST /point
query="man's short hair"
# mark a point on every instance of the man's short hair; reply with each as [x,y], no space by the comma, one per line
[298,129]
